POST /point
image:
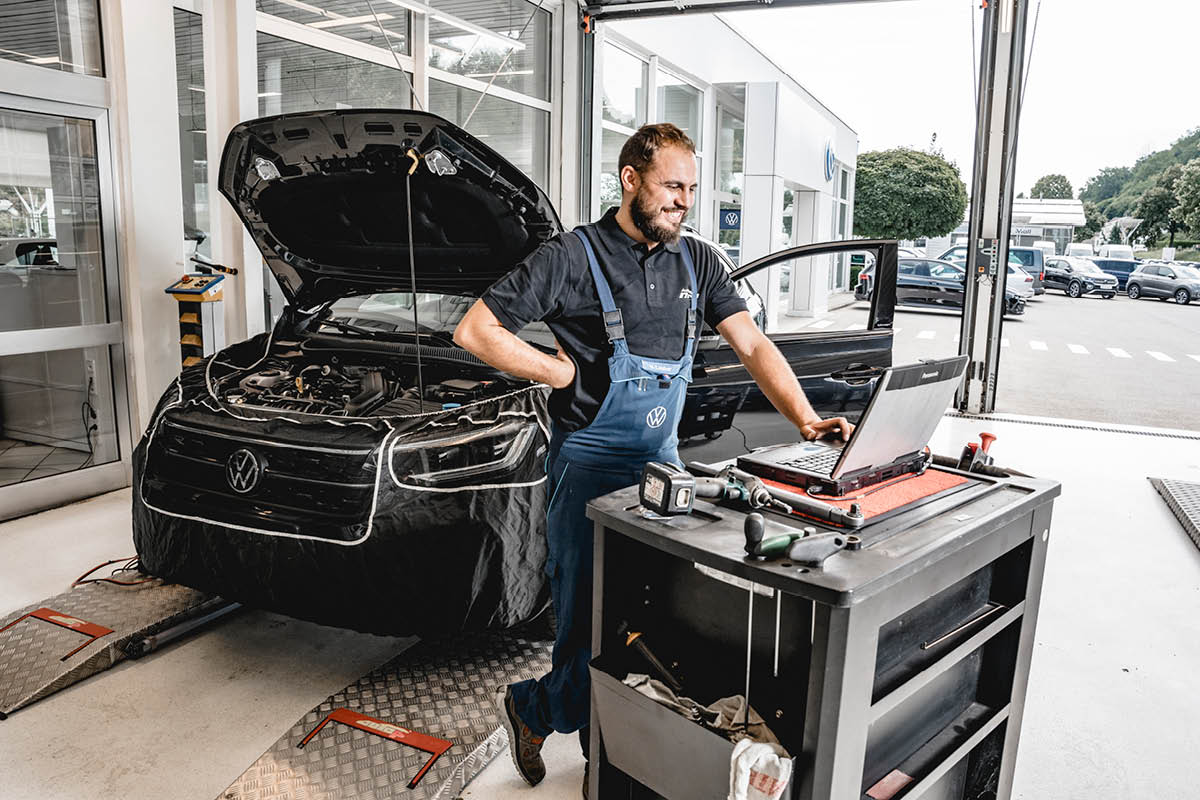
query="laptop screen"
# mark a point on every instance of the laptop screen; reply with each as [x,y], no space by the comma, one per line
[902,414]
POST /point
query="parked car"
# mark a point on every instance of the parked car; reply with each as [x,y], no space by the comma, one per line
[1027,258]
[928,282]
[1167,281]
[1081,249]
[1123,252]
[1049,249]
[1119,268]
[353,466]
[1079,276]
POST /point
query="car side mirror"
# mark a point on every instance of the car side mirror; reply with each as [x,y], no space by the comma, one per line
[1171,275]
[1068,269]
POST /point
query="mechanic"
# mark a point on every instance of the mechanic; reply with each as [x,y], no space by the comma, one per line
[623,298]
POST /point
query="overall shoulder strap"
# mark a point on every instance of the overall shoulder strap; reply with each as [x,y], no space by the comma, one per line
[614,327]
[691,268]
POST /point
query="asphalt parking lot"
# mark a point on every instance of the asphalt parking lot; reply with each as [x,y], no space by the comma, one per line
[1133,362]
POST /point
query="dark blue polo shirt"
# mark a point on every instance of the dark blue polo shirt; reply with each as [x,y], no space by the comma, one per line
[651,288]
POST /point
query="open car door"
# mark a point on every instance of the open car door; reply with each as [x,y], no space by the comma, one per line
[726,414]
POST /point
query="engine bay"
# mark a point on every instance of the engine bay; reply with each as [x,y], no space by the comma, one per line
[332,387]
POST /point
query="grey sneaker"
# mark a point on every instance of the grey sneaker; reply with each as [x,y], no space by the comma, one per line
[523,746]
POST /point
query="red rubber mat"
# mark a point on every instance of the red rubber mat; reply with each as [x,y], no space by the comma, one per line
[890,495]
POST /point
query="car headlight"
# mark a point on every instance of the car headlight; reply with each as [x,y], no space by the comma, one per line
[473,457]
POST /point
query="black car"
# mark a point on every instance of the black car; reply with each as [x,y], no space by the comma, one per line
[929,283]
[1079,276]
[1119,268]
[353,466]
[1030,259]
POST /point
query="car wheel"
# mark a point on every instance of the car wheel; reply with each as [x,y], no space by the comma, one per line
[1108,296]
[712,435]
[1133,291]
[1182,297]
[1074,290]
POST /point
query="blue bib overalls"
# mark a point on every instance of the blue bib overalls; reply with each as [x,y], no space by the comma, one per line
[636,423]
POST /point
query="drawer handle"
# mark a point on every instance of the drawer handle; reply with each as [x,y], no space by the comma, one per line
[990,611]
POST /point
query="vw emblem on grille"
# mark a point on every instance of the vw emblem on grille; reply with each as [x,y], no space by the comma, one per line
[242,471]
[656,417]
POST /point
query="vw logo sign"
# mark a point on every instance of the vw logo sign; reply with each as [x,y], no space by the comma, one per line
[731,219]
[829,160]
[656,417]
[242,471]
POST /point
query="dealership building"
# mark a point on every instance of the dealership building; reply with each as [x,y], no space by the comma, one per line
[113,117]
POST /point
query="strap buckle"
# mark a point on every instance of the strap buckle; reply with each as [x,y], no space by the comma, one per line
[692,323]
[614,326]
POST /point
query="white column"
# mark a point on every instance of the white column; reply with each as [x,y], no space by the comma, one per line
[231,80]
[762,191]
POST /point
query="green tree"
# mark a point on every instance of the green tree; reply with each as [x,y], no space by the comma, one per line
[1095,221]
[1114,235]
[1052,187]
[1105,184]
[1155,207]
[1187,190]
[907,194]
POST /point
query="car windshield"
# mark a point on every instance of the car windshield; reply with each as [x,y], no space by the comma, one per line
[393,313]
[1191,273]
[1089,267]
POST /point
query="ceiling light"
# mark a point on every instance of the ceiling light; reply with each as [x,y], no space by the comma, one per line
[461,24]
[339,21]
[44,60]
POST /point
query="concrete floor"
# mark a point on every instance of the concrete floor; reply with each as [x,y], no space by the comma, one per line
[1112,707]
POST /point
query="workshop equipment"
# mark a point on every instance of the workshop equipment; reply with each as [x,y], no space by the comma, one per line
[666,489]
[785,500]
[637,641]
[201,317]
[805,547]
[975,454]
[905,661]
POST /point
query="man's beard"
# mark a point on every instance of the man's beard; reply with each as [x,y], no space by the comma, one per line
[643,219]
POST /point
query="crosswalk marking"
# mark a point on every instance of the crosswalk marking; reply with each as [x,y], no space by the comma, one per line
[1194,358]
[821,323]
[1118,352]
[1078,349]
[1157,356]
[1036,345]
[926,334]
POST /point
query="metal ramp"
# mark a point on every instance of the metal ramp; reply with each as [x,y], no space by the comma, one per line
[375,738]
[60,641]
[1183,498]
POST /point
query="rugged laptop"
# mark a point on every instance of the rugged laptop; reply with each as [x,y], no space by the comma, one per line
[890,439]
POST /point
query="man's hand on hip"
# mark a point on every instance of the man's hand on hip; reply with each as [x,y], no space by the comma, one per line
[565,374]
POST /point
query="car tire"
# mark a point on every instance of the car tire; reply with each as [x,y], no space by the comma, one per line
[1134,291]
[1074,289]
[1183,297]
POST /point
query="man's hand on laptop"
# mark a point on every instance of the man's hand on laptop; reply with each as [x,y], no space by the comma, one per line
[834,426]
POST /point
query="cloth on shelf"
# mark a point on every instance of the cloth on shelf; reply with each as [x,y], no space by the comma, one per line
[758,771]
[725,716]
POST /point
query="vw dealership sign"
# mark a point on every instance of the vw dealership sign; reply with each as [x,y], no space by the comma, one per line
[730,219]
[830,160]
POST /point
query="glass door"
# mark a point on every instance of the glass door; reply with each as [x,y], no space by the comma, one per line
[731,135]
[63,409]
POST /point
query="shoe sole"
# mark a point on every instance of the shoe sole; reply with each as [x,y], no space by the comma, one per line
[510,729]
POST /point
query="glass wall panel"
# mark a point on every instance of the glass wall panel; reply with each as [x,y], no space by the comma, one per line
[59,34]
[456,45]
[679,103]
[193,142]
[51,265]
[731,135]
[56,413]
[519,133]
[610,154]
[296,77]
[624,100]
[351,19]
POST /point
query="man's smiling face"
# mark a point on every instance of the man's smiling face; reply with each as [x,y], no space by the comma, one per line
[663,194]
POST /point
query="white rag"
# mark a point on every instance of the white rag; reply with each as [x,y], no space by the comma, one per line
[758,771]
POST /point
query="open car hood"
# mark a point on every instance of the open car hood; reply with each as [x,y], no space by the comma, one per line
[323,194]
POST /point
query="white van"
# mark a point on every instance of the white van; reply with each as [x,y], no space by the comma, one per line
[1118,251]
[1047,248]
[1081,249]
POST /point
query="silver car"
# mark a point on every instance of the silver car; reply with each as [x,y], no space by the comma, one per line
[1178,282]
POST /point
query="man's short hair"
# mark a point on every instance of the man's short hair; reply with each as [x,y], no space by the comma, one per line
[639,150]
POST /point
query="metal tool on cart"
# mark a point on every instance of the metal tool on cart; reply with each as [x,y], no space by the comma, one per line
[805,547]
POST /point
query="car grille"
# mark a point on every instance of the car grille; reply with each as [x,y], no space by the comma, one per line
[314,491]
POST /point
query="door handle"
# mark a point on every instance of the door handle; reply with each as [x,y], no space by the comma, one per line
[857,374]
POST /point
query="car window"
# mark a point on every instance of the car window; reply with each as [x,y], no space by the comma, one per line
[392,313]
[940,269]
[908,267]
[1024,257]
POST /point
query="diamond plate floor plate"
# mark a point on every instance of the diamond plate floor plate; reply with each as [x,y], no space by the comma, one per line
[30,651]
[443,688]
[1183,497]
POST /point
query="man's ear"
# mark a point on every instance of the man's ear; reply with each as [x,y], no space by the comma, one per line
[630,179]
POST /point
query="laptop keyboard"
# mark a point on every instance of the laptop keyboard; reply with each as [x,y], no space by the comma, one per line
[815,462]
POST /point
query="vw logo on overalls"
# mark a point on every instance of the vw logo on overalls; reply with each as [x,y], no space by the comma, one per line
[242,471]
[656,416]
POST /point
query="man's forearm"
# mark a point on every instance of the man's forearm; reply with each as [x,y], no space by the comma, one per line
[774,376]
[482,336]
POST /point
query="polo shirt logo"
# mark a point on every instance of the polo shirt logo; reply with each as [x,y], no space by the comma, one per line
[685,293]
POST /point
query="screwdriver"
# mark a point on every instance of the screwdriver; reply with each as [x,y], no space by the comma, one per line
[762,546]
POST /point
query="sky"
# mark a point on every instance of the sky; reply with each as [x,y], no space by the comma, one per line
[1107,81]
